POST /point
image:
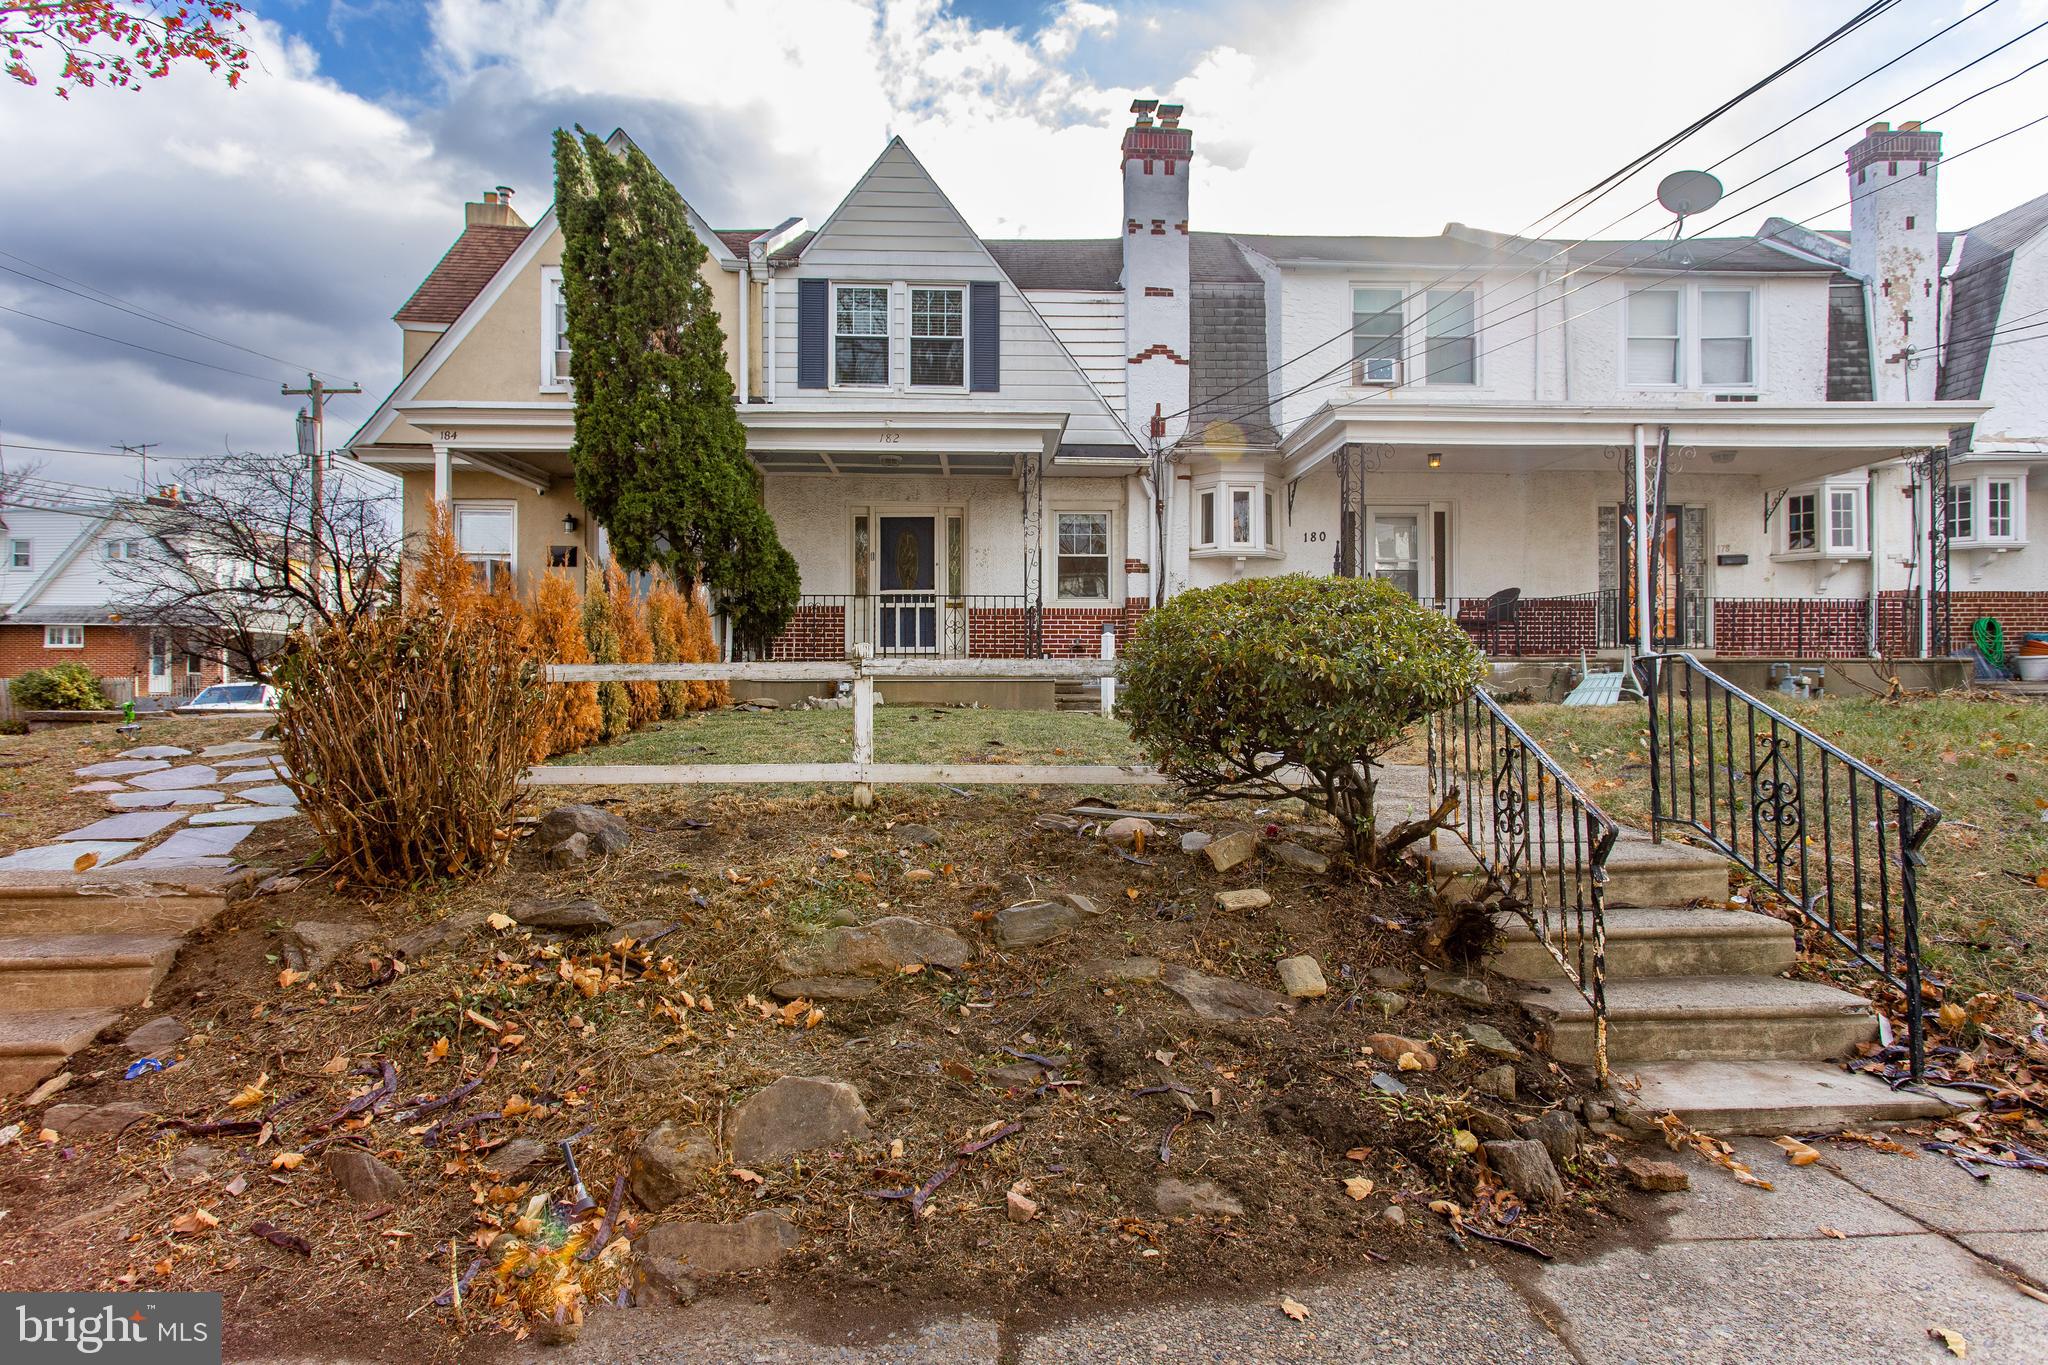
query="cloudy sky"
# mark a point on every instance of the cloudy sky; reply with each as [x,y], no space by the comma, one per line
[293,216]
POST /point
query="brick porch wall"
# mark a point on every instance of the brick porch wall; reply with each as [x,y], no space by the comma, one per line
[1817,628]
[814,632]
[819,632]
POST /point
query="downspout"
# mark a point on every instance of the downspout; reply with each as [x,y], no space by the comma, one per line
[746,337]
[1644,630]
[1564,346]
[768,331]
[1536,337]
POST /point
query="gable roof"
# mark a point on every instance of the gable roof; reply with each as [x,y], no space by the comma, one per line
[1977,295]
[461,274]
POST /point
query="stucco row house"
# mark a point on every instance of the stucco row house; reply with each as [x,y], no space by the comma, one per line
[994,447]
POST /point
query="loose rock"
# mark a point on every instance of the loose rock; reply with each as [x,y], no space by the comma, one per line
[312,945]
[575,848]
[582,917]
[1390,978]
[1302,977]
[916,836]
[882,948]
[1389,1047]
[1660,1177]
[1033,923]
[164,1031]
[1558,1131]
[1487,1038]
[1526,1167]
[797,1114]
[667,1163]
[1388,1003]
[1231,850]
[453,929]
[1130,832]
[1125,969]
[1498,1082]
[1081,903]
[91,1120]
[518,1156]
[1179,1198]
[1299,858]
[1393,1215]
[363,1177]
[1022,1209]
[1455,987]
[602,831]
[1250,898]
[1219,999]
[702,1249]
[824,988]
[1194,841]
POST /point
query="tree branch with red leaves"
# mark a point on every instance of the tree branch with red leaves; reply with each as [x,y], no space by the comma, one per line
[119,44]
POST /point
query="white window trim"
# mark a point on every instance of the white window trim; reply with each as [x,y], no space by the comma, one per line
[1822,494]
[459,505]
[1980,503]
[52,639]
[966,335]
[550,281]
[889,335]
[1690,335]
[1264,543]
[1411,366]
[1112,516]
[27,548]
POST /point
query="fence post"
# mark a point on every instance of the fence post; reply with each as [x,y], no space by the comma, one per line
[863,726]
[1109,679]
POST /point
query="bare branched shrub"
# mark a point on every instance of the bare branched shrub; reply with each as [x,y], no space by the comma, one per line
[406,735]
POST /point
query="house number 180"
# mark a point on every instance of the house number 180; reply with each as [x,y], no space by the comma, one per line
[1313,536]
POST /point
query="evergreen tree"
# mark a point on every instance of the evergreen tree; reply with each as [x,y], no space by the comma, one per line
[660,455]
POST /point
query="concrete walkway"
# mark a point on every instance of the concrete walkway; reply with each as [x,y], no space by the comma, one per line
[1724,1273]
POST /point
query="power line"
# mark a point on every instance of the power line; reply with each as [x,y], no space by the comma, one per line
[136,345]
[123,306]
[1421,319]
[1611,180]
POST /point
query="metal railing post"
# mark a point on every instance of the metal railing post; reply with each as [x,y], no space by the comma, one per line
[863,727]
[1109,679]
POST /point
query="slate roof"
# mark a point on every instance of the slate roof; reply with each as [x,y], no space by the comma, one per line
[1228,387]
[461,274]
[1848,343]
[1978,295]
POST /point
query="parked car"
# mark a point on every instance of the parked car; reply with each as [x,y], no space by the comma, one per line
[231,698]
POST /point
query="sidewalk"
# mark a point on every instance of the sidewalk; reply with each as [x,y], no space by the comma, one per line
[1723,1273]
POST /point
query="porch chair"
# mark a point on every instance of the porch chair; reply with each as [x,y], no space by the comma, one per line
[1485,619]
[1604,689]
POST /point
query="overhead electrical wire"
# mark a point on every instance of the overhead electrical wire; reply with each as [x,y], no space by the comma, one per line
[136,345]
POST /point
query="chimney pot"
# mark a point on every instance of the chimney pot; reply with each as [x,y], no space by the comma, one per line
[504,194]
[1912,127]
[490,196]
[1881,126]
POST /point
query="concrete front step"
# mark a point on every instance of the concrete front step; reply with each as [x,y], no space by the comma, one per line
[35,1043]
[1704,1018]
[1773,1097]
[110,900]
[1639,873]
[81,971]
[1659,942]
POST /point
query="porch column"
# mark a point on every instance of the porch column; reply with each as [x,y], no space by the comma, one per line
[1645,631]
[1032,486]
[441,475]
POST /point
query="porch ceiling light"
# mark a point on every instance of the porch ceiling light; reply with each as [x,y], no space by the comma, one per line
[1436,459]
[569,523]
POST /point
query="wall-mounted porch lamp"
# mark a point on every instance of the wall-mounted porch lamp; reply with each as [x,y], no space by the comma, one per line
[1436,459]
[569,523]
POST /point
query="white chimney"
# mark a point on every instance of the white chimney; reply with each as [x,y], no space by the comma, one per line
[1156,157]
[1894,248]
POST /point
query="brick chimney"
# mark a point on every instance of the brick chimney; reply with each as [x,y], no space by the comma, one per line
[495,210]
[1157,154]
[1894,248]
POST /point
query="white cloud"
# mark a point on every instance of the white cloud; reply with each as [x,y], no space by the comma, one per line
[295,216]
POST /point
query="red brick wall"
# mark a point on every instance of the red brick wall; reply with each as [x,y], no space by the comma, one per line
[819,631]
[120,652]
[1793,628]
[1548,625]
[814,632]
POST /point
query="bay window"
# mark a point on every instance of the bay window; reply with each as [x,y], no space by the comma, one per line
[1823,521]
[938,338]
[1962,512]
[860,335]
[1998,503]
[1233,515]
[1986,508]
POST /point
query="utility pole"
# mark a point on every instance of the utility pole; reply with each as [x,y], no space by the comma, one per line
[141,451]
[313,444]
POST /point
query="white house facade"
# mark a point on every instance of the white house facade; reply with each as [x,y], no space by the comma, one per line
[993,447]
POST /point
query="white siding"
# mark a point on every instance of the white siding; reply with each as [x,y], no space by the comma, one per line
[897,225]
[88,581]
[1090,324]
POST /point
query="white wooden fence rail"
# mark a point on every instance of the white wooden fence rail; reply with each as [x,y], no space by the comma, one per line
[863,773]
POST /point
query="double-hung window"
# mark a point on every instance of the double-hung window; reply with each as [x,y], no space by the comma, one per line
[1824,521]
[1082,569]
[117,551]
[483,535]
[1376,335]
[860,335]
[559,332]
[1845,518]
[1653,336]
[1450,333]
[1961,510]
[20,554]
[1998,509]
[554,331]
[938,338]
[63,637]
[1800,515]
[1727,344]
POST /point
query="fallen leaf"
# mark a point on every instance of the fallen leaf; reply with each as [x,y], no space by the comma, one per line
[85,861]
[439,1049]
[515,1106]
[747,1177]
[499,920]
[1357,1186]
[959,1071]
[1461,1139]
[238,1186]
[249,1096]
[1797,1152]
[1358,1154]
[1835,1233]
[287,978]
[197,1221]
[1952,1016]
[1297,1311]
[334,1065]
[1021,1209]
[814,1018]
[287,1161]
[895,1149]
[1958,1345]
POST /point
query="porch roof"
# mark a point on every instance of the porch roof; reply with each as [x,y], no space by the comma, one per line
[933,442]
[1788,441]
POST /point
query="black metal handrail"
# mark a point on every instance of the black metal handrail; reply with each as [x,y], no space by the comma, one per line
[1827,832]
[1541,842]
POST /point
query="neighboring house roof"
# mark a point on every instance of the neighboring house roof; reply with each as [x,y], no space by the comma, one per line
[1848,343]
[1977,296]
[737,239]
[1060,263]
[461,274]
[1738,255]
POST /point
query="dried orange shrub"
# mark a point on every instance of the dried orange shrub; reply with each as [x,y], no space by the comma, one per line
[636,646]
[668,621]
[570,715]
[701,646]
[438,575]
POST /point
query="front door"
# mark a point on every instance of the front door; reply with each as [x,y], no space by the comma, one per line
[159,664]
[1394,543]
[1664,591]
[907,548]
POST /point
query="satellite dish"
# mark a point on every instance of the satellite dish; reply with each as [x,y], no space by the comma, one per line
[1688,192]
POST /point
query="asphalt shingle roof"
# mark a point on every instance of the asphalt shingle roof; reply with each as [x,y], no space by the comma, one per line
[461,274]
